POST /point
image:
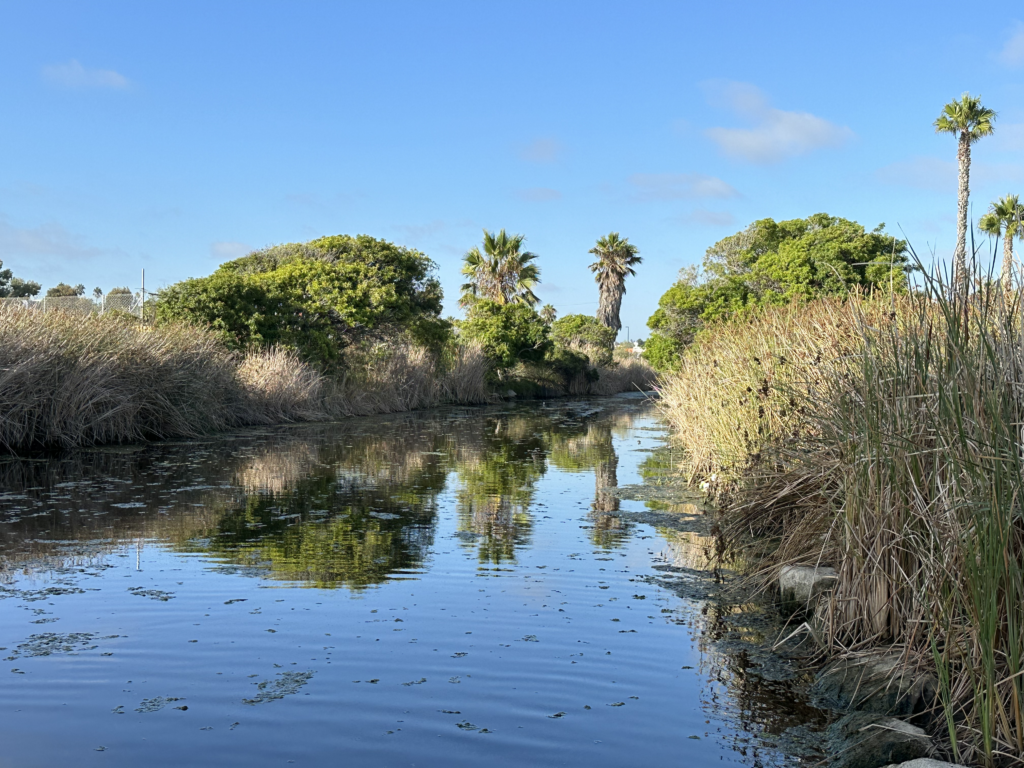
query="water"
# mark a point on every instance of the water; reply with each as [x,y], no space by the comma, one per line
[456,587]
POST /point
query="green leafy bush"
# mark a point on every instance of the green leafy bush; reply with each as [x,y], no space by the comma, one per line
[584,334]
[770,264]
[508,333]
[317,297]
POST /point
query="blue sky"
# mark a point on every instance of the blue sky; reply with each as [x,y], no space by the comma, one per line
[174,136]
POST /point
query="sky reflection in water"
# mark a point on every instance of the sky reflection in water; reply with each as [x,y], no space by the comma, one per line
[445,588]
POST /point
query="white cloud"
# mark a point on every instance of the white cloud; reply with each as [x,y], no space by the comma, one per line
[680,186]
[776,134]
[705,218]
[50,240]
[1013,52]
[543,150]
[74,75]
[538,194]
[227,250]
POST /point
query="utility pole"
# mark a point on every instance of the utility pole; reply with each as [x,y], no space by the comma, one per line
[142,315]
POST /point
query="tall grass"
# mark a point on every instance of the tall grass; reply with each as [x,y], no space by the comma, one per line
[883,437]
[68,380]
[625,376]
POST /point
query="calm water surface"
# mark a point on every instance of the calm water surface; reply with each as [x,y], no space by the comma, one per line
[448,588]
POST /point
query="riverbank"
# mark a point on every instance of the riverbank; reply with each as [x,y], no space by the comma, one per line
[878,438]
[69,380]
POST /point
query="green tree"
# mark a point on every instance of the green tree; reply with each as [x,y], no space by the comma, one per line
[63,290]
[548,313]
[1005,218]
[503,272]
[12,287]
[317,297]
[616,258]
[508,333]
[583,333]
[773,263]
[969,121]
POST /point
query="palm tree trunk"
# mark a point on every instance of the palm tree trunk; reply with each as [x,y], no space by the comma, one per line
[963,192]
[609,305]
[1007,273]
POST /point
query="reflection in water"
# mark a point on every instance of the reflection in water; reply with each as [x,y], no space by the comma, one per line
[300,504]
[371,501]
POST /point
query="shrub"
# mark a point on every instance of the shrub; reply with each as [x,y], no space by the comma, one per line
[317,298]
[508,334]
[583,333]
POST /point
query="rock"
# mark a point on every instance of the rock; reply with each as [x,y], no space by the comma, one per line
[511,393]
[924,762]
[800,585]
[874,684]
[865,740]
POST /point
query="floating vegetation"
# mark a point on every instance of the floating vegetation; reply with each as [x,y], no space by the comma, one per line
[51,643]
[285,684]
[154,704]
[152,594]
[421,681]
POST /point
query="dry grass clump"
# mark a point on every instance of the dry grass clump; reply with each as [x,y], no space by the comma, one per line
[281,387]
[884,438]
[626,376]
[68,380]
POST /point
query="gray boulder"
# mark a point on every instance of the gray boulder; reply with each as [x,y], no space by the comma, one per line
[800,585]
[876,684]
[924,762]
[865,740]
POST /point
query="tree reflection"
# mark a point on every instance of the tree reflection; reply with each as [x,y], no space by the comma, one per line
[347,505]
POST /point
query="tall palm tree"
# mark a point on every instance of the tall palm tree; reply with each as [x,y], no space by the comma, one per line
[969,121]
[503,272]
[548,314]
[1005,218]
[616,258]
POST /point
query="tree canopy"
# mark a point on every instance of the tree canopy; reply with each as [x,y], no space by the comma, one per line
[65,290]
[774,263]
[616,257]
[12,287]
[316,297]
[503,272]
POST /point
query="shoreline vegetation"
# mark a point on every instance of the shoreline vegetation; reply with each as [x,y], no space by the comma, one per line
[340,326]
[838,414]
[879,435]
[68,380]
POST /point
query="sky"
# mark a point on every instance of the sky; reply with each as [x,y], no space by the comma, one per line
[173,136]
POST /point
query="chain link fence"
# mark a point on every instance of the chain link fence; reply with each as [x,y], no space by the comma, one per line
[127,303]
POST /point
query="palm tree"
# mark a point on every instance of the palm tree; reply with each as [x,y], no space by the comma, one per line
[1005,218]
[548,314]
[503,273]
[969,121]
[616,258]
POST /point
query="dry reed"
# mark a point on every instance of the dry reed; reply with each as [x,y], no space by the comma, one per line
[68,380]
[884,438]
